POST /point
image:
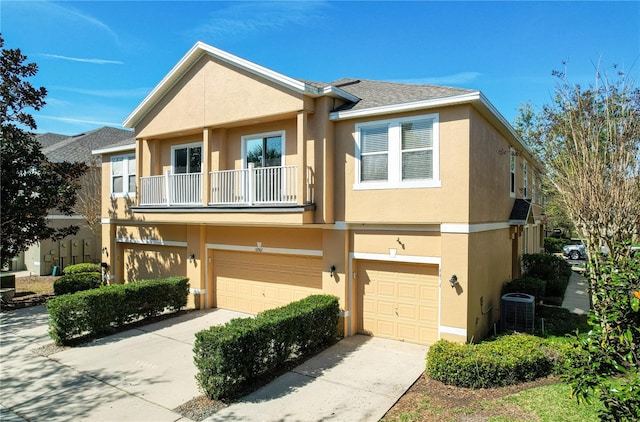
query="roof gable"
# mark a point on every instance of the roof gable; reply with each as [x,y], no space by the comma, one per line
[201,49]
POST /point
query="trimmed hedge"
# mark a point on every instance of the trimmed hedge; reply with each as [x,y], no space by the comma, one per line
[86,267]
[72,283]
[101,311]
[555,244]
[550,268]
[529,285]
[508,360]
[232,357]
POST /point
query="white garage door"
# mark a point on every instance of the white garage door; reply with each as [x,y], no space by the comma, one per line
[398,301]
[253,282]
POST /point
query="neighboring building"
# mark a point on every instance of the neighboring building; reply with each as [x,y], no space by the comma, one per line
[85,245]
[263,189]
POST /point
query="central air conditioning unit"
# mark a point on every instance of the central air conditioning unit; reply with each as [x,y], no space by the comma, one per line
[518,312]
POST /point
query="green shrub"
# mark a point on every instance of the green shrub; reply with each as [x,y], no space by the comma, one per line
[100,311]
[508,360]
[554,270]
[85,267]
[529,285]
[77,282]
[555,245]
[232,357]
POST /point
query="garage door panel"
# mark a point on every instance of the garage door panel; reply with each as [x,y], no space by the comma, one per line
[398,300]
[254,282]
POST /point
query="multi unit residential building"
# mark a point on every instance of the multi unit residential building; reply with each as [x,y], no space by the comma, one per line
[411,203]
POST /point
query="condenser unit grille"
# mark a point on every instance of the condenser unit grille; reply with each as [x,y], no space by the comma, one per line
[518,312]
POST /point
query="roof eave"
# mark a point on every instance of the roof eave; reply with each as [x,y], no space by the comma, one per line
[111,150]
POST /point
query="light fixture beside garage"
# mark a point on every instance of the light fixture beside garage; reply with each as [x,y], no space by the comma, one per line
[192,258]
[453,280]
[331,270]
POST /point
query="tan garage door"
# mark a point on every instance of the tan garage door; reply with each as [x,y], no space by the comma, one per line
[398,301]
[144,262]
[253,282]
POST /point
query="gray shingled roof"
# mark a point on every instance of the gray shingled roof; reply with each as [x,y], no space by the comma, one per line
[377,93]
[78,148]
[380,93]
[48,139]
[520,211]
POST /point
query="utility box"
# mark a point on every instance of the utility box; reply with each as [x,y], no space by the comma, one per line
[518,312]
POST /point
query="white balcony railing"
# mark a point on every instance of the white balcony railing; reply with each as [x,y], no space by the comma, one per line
[251,186]
[171,189]
[263,185]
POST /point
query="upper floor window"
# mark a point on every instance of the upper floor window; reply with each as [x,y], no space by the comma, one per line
[525,180]
[186,158]
[512,172]
[533,187]
[264,150]
[398,153]
[123,175]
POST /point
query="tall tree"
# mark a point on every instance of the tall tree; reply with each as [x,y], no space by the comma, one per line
[31,185]
[590,141]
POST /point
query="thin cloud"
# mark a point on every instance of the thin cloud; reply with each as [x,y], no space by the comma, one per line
[243,19]
[460,78]
[105,93]
[78,120]
[74,13]
[82,60]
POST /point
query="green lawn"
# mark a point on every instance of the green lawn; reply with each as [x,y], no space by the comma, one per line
[550,403]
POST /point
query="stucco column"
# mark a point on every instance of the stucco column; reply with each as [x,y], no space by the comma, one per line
[454,324]
[196,266]
[206,166]
[301,138]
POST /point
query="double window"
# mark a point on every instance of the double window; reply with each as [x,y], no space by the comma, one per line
[123,175]
[187,158]
[398,153]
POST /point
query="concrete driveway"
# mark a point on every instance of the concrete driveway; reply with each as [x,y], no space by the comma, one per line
[143,373]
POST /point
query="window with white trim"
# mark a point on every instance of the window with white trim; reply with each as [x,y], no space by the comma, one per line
[186,158]
[533,187]
[512,172]
[123,175]
[398,153]
[525,180]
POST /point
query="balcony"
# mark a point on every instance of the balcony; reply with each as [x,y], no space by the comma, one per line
[251,187]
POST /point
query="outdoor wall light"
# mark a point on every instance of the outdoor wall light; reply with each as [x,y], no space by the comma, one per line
[104,249]
[453,280]
[331,270]
[192,257]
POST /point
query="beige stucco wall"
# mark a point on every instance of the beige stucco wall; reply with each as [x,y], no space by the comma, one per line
[206,96]
[448,203]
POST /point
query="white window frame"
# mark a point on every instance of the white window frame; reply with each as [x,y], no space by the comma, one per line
[525,180]
[124,159]
[182,146]
[280,133]
[512,172]
[533,187]
[394,151]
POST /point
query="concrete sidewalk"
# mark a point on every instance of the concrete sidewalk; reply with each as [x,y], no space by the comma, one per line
[358,379]
[144,373]
[576,297]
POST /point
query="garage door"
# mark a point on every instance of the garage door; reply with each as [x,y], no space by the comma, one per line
[398,301]
[252,282]
[143,262]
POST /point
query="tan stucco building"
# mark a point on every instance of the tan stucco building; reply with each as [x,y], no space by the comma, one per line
[263,189]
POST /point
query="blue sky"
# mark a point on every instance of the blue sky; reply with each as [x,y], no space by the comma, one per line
[99,59]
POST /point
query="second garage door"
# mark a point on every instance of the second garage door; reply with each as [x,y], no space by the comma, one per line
[253,282]
[398,301]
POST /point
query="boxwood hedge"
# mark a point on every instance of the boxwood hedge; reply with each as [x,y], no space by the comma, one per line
[510,359]
[100,311]
[76,282]
[231,357]
[85,267]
